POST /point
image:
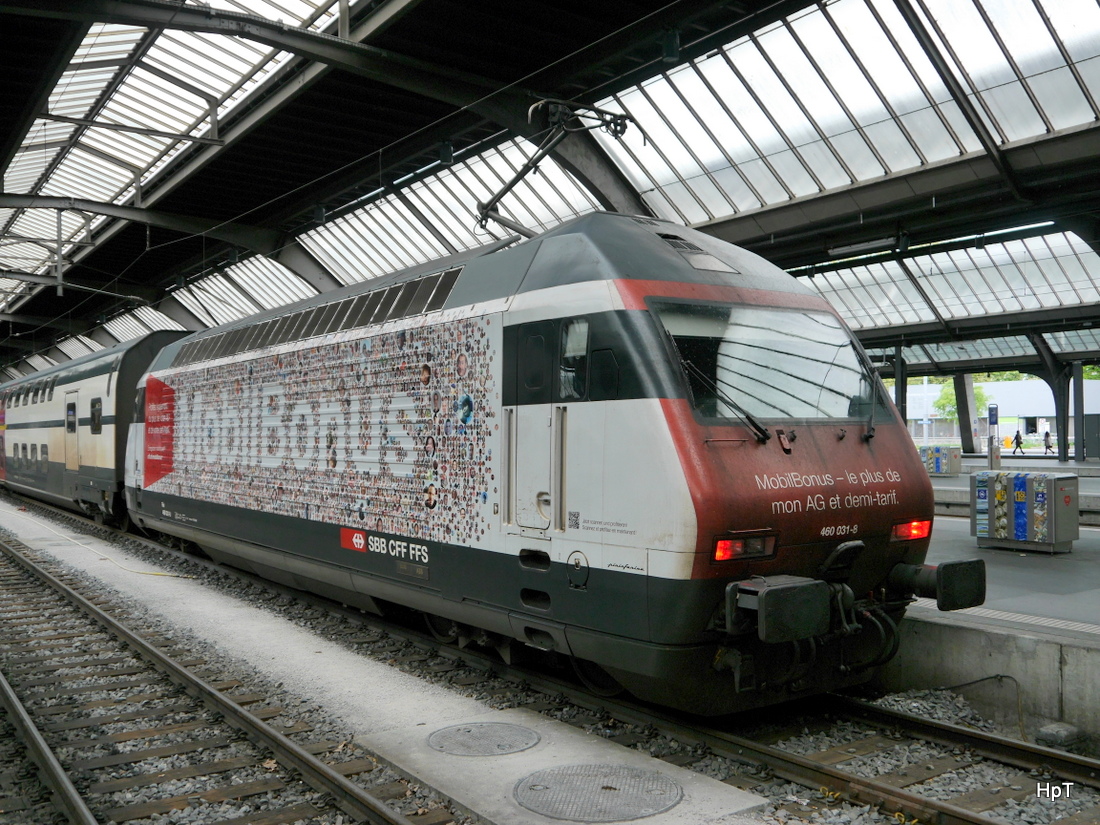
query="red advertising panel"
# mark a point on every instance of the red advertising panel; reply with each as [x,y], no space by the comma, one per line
[160,427]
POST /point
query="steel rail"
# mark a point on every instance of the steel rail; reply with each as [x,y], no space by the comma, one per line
[65,795]
[1080,769]
[802,770]
[352,799]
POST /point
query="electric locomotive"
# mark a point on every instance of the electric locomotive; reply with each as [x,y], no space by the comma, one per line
[623,441]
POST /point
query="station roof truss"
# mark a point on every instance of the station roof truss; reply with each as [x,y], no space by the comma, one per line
[932,167]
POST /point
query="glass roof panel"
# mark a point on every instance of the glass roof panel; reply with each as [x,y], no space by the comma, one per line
[77,346]
[155,319]
[1047,271]
[874,295]
[268,282]
[1015,346]
[215,301]
[107,41]
[83,175]
[41,146]
[1074,341]
[850,70]
[1061,97]
[386,235]
[358,246]
[935,356]
[126,327]
[1077,24]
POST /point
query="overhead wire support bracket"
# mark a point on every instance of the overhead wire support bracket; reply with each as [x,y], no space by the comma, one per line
[564,117]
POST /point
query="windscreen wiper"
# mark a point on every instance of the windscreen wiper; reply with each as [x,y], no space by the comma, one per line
[870,432]
[873,387]
[759,430]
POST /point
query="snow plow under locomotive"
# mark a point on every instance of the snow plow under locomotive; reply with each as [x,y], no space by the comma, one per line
[622,440]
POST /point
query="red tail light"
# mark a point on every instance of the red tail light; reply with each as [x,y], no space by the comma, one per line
[726,549]
[748,547]
[911,530]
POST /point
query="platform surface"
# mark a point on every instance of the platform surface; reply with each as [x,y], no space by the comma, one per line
[1060,591]
[489,784]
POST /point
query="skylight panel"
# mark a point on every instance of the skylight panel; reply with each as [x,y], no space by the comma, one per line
[269,283]
[1073,341]
[83,175]
[126,327]
[107,41]
[40,362]
[386,235]
[155,319]
[77,346]
[215,301]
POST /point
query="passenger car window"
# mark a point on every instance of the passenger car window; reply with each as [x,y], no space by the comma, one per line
[97,416]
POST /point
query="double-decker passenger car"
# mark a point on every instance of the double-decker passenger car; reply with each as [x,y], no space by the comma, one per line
[622,440]
[64,428]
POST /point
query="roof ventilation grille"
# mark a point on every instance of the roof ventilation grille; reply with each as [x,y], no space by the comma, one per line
[676,242]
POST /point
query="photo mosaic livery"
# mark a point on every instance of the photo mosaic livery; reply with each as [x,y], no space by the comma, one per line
[622,441]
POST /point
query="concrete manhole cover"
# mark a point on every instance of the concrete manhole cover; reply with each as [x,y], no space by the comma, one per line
[597,793]
[483,739]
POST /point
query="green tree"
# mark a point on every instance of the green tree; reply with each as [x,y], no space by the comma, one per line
[948,408]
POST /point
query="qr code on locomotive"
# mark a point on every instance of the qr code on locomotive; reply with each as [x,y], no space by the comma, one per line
[574,520]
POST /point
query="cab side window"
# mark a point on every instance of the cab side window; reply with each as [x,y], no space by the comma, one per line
[573,363]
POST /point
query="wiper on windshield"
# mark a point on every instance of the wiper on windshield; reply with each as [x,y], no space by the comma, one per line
[872,387]
[759,430]
[870,433]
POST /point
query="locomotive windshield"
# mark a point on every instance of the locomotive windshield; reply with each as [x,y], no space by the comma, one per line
[769,362]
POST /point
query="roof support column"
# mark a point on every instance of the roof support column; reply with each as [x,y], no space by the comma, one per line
[967,411]
[1058,375]
[582,156]
[1078,418]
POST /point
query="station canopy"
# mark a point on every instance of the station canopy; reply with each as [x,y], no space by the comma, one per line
[930,167]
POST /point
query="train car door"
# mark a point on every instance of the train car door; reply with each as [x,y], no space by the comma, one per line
[534,432]
[72,432]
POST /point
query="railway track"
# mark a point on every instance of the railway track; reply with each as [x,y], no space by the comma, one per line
[99,709]
[918,753]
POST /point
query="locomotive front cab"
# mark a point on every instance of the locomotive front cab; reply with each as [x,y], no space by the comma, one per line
[814,511]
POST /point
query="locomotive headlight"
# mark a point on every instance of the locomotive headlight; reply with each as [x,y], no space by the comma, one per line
[747,547]
[910,530]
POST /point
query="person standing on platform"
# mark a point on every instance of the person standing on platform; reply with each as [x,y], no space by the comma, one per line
[1048,442]
[1018,443]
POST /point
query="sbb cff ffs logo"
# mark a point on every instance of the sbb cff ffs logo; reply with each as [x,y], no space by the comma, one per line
[398,548]
[353,540]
